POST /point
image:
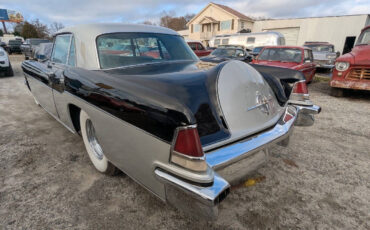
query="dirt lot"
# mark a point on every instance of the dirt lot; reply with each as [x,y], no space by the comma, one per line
[321,181]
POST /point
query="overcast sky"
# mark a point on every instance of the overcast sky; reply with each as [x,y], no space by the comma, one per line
[71,12]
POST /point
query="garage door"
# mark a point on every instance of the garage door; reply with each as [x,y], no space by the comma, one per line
[290,34]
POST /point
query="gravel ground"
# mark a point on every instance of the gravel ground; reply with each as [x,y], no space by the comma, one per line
[320,181]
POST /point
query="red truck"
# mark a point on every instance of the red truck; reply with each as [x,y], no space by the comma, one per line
[352,70]
[198,48]
[292,57]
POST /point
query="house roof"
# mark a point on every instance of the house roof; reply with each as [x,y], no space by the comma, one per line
[209,19]
[225,8]
[234,12]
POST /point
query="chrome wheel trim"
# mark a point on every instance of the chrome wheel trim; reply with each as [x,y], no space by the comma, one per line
[93,141]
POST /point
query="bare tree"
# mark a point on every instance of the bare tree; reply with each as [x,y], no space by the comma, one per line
[188,17]
[175,23]
[42,29]
[147,22]
[54,27]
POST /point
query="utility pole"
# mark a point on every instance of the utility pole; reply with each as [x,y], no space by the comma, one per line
[5,31]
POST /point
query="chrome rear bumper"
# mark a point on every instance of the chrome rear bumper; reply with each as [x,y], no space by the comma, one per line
[230,163]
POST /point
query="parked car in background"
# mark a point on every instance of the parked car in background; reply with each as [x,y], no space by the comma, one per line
[233,46]
[324,54]
[198,48]
[227,53]
[292,57]
[182,128]
[249,40]
[29,45]
[352,70]
[256,51]
[43,51]
[3,45]
[14,46]
[5,65]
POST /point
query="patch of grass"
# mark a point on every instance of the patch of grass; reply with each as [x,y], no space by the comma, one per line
[320,78]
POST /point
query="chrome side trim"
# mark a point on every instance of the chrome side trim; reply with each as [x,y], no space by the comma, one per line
[222,157]
[61,122]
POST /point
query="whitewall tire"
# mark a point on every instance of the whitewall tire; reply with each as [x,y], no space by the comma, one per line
[93,148]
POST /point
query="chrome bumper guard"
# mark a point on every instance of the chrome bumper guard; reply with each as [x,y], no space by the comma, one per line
[230,163]
[306,114]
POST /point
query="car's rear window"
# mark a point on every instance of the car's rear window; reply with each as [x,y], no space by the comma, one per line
[281,54]
[124,49]
[321,48]
[15,42]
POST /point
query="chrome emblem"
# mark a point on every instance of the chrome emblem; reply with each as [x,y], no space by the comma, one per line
[263,103]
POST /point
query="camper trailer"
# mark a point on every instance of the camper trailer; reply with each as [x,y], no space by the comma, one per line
[249,40]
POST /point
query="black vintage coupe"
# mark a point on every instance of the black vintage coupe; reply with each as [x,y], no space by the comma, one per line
[145,104]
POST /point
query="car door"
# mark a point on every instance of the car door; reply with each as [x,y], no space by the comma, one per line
[193,46]
[201,51]
[63,57]
[39,77]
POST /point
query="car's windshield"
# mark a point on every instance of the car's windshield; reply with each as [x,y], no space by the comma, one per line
[123,49]
[321,48]
[38,41]
[281,54]
[364,38]
[257,49]
[224,52]
[15,42]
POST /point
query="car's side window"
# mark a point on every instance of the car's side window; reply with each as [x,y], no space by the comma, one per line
[72,53]
[239,53]
[61,48]
[200,47]
[311,55]
[193,46]
[307,56]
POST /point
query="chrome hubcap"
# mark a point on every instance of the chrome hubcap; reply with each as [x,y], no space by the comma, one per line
[91,137]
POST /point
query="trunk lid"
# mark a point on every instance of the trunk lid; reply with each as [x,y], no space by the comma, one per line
[248,103]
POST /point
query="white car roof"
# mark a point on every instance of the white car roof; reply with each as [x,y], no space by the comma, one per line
[85,38]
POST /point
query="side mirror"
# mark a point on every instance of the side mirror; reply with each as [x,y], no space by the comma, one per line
[338,53]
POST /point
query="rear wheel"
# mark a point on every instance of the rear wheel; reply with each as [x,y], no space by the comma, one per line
[9,71]
[336,92]
[93,147]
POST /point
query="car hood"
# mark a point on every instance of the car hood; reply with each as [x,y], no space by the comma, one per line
[214,59]
[289,65]
[361,55]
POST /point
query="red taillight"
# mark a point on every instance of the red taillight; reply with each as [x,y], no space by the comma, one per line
[300,87]
[188,143]
[187,150]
